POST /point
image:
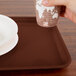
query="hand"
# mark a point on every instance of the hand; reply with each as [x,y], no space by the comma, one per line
[70,12]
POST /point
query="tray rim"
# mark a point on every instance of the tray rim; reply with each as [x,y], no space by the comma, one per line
[37,67]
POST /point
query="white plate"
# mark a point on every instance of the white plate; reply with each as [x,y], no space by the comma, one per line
[8,29]
[9,46]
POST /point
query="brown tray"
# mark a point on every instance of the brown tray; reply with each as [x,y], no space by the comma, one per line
[38,48]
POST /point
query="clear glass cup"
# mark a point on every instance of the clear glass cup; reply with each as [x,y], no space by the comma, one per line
[46,16]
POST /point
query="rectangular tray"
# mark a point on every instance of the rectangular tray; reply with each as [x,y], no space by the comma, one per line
[38,48]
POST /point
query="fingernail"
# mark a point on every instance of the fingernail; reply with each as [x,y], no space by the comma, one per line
[45,2]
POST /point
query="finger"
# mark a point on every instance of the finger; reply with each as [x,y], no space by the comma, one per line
[54,2]
[69,14]
[66,16]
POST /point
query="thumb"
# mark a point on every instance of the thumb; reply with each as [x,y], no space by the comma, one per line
[54,2]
